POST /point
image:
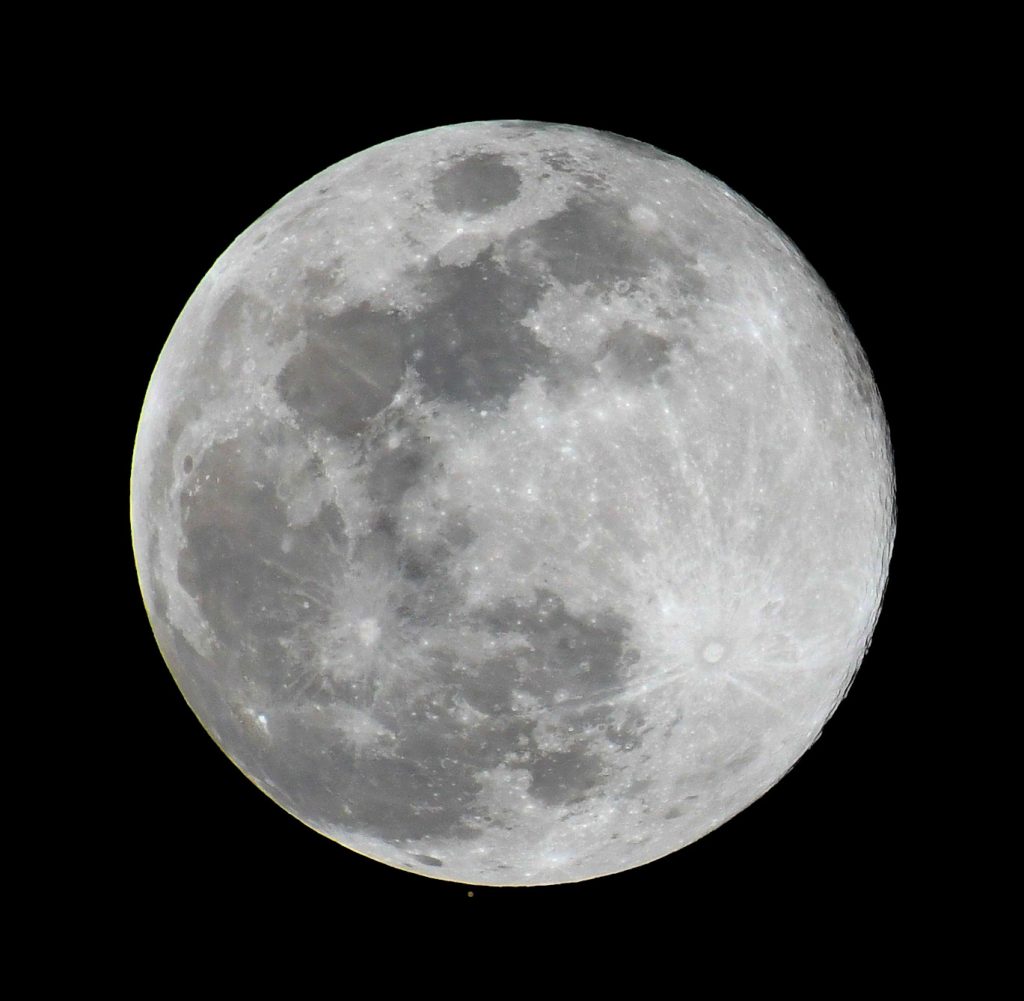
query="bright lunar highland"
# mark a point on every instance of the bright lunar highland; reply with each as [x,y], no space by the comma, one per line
[513,503]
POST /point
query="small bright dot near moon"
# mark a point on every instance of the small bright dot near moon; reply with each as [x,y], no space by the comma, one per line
[513,503]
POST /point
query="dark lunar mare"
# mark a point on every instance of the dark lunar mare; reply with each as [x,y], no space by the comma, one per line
[468,344]
[425,779]
[254,575]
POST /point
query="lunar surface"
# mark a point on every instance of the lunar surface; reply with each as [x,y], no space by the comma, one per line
[513,503]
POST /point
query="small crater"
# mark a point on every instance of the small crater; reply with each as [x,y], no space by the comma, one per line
[560,160]
[625,733]
[369,632]
[428,860]
[713,652]
[187,464]
[634,354]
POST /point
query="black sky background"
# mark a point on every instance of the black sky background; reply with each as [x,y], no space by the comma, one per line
[838,168]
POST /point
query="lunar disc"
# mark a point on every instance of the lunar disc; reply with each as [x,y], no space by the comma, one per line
[513,503]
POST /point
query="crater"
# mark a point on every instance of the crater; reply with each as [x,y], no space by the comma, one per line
[240,316]
[561,160]
[428,860]
[476,185]
[713,652]
[635,355]
[348,370]
[626,733]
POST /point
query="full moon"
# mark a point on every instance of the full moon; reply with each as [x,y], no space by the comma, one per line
[513,503]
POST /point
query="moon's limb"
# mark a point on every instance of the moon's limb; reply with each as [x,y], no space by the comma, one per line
[513,503]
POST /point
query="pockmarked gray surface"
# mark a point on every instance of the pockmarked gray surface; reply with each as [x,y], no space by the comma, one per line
[513,503]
